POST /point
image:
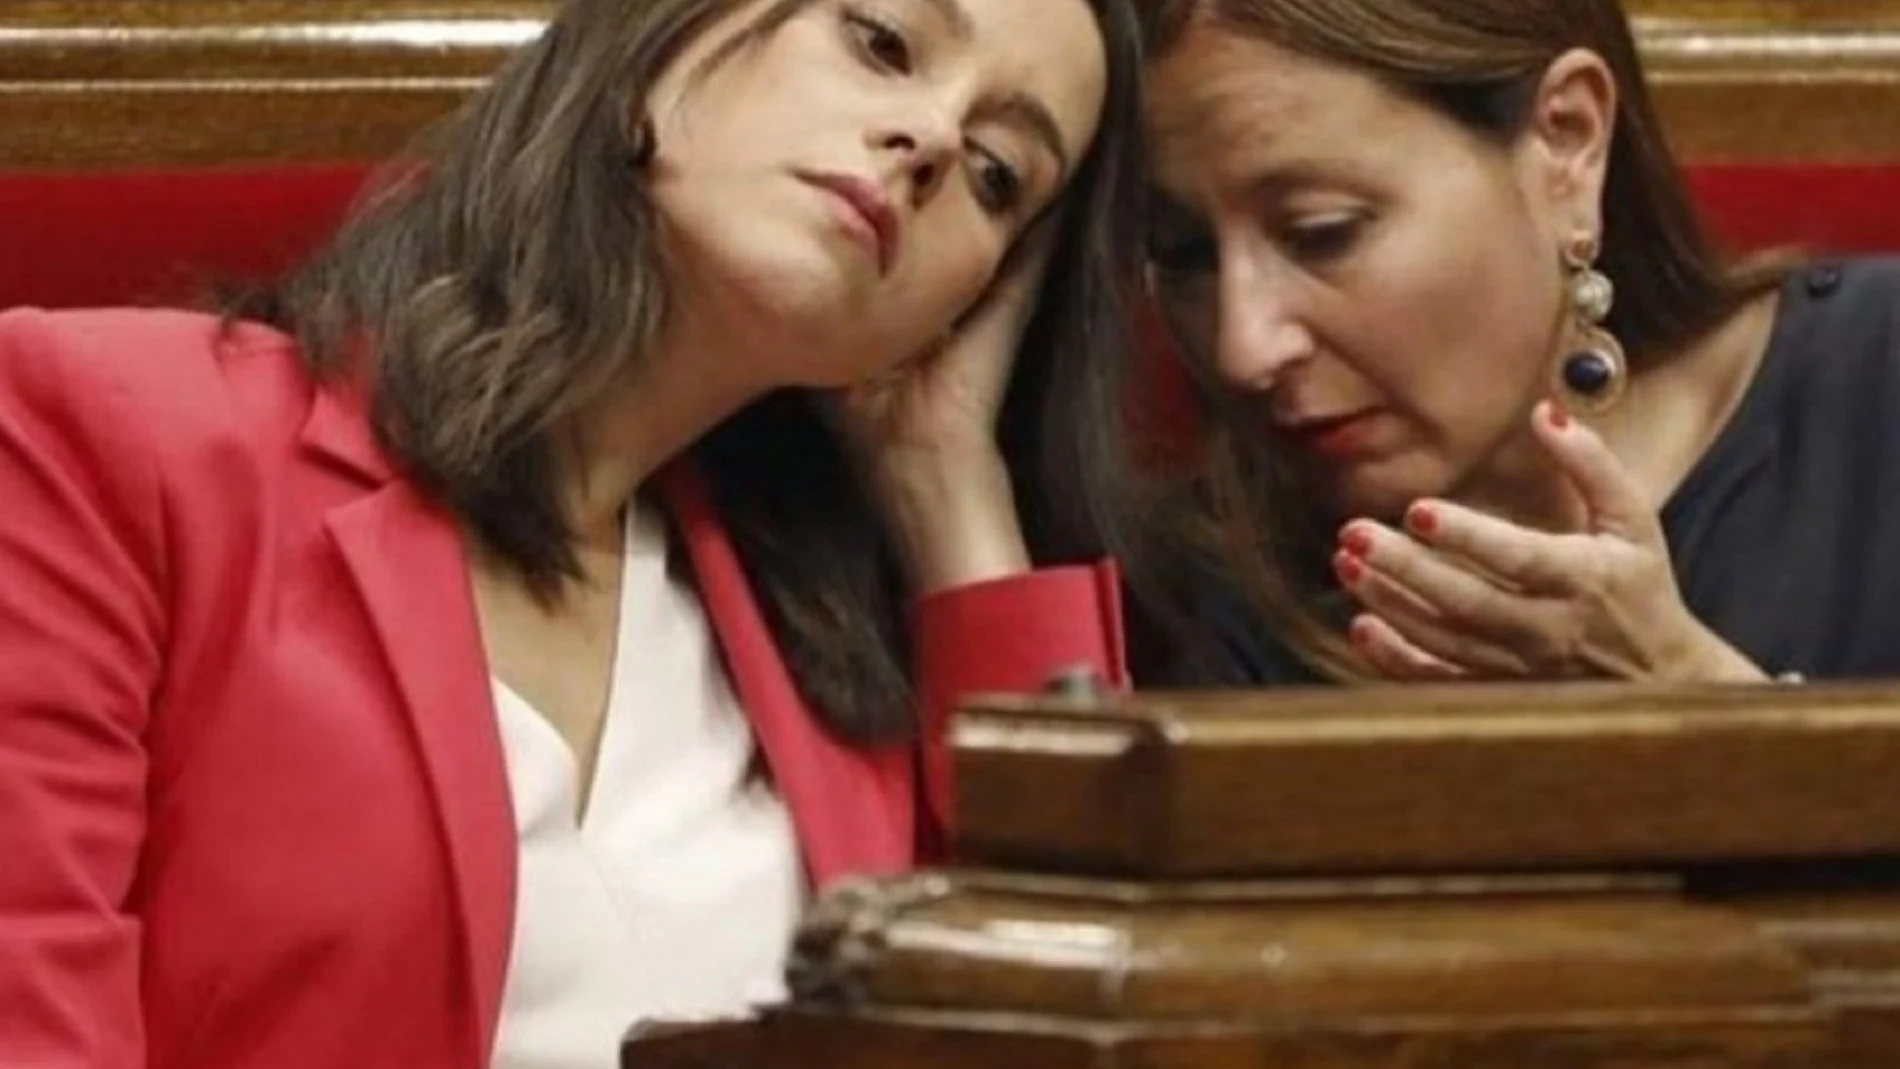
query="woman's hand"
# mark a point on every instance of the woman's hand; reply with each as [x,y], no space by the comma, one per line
[1459,594]
[925,436]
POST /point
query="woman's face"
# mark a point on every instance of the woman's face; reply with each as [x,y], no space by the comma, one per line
[838,193]
[1378,286]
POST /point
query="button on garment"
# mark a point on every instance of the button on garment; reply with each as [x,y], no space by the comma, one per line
[674,895]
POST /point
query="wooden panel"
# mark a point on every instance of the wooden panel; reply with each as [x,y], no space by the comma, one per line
[1351,951]
[1740,80]
[93,83]
[1372,780]
[979,971]
[96,83]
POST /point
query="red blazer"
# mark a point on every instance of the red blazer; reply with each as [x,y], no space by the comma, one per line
[253,807]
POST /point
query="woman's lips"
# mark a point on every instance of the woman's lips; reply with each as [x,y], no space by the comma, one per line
[1336,437]
[867,212]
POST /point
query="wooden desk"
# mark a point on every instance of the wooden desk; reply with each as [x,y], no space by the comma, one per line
[1494,878]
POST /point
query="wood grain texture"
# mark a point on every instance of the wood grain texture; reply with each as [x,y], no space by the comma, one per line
[984,941]
[815,1039]
[116,83]
[987,971]
[1426,779]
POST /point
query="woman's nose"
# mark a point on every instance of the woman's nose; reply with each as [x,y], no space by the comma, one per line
[1259,335]
[924,150]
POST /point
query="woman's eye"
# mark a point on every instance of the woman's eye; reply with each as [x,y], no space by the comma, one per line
[1324,239]
[998,187]
[881,43]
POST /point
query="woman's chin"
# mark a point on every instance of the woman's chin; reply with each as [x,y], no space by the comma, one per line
[1384,488]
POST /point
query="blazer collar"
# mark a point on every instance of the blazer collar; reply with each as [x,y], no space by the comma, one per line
[855,809]
[338,430]
[408,564]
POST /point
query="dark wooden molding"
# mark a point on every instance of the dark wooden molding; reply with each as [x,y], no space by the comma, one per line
[114,83]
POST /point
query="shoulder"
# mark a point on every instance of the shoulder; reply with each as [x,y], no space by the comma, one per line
[1853,303]
[1835,345]
[147,379]
[168,363]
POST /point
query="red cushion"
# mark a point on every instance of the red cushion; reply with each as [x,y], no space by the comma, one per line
[155,237]
[1828,208]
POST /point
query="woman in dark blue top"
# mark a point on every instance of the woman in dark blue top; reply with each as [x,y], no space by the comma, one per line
[1482,402]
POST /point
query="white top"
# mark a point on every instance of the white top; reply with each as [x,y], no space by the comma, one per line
[676,895]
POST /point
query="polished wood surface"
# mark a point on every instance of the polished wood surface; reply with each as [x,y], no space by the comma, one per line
[1381,780]
[982,971]
[1353,951]
[117,83]
[112,83]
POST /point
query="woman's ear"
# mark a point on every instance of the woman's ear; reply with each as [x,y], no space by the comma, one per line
[1571,125]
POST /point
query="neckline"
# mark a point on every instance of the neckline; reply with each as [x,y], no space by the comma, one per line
[581,785]
[1747,439]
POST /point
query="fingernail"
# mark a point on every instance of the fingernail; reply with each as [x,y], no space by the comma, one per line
[1422,520]
[1350,568]
[1359,634]
[1356,541]
[1559,416]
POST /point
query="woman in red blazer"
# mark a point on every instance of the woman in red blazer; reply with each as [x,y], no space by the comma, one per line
[260,575]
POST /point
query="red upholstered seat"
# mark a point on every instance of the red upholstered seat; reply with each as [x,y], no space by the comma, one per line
[1829,208]
[148,237]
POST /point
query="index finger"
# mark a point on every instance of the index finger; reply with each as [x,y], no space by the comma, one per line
[1535,562]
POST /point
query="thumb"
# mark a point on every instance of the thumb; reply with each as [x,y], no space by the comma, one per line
[1616,503]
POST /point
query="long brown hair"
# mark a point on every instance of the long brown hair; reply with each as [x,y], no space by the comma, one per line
[509,267]
[1479,62]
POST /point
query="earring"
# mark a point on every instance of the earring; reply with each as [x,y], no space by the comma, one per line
[1594,370]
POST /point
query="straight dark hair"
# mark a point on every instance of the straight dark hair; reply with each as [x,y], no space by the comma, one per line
[1478,62]
[507,269]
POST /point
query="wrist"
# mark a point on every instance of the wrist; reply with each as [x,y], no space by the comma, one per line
[1709,659]
[952,520]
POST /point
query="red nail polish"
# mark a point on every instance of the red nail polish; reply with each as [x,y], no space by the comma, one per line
[1421,519]
[1350,568]
[1356,541]
[1559,416]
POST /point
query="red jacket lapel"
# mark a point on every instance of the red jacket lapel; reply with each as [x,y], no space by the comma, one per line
[854,809]
[408,564]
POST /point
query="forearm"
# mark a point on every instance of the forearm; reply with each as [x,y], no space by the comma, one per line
[953,520]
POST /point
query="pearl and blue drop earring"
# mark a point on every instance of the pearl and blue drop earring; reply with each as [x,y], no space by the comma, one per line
[1594,370]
